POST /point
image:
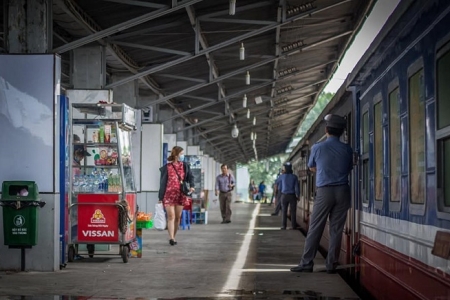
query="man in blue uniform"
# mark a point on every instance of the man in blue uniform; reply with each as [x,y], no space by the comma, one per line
[289,188]
[332,162]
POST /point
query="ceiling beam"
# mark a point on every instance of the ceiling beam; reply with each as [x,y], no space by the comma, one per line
[223,77]
[139,3]
[226,43]
[239,9]
[238,21]
[123,26]
[146,30]
[240,93]
[152,48]
[181,78]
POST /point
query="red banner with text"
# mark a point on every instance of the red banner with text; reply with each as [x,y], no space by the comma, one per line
[98,218]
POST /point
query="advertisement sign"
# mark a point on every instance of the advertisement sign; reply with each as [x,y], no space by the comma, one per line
[97,218]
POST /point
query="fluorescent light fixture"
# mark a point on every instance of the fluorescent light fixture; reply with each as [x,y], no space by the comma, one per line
[293,46]
[285,89]
[244,101]
[252,136]
[247,78]
[287,71]
[279,112]
[296,9]
[254,120]
[242,52]
[258,100]
[281,101]
[232,10]
[248,113]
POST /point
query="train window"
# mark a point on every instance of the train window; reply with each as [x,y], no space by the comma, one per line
[365,157]
[365,183]
[394,145]
[443,128]
[444,171]
[378,151]
[365,132]
[443,91]
[417,138]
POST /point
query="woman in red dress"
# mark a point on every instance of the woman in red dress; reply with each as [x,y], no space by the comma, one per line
[175,171]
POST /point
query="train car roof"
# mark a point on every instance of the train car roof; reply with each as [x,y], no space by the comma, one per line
[370,59]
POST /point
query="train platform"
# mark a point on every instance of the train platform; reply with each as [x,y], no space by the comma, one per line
[249,258]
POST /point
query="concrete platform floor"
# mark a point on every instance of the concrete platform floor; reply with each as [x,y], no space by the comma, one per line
[246,259]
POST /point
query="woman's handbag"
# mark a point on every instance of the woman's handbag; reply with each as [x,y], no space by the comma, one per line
[183,184]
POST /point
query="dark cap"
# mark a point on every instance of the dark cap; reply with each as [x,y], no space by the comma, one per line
[335,121]
[288,167]
[80,148]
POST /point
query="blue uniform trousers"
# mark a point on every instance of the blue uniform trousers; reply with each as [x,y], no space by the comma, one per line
[331,202]
[289,200]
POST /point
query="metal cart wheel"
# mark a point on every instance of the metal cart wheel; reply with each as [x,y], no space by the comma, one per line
[125,251]
[71,253]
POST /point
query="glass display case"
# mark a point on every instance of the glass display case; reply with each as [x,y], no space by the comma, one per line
[102,201]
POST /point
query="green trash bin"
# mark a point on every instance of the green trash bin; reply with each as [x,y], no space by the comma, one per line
[20,200]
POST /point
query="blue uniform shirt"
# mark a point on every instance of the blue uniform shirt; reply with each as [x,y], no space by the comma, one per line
[333,161]
[288,184]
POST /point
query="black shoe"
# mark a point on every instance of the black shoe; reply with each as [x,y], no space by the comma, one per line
[227,221]
[172,242]
[283,228]
[301,269]
[175,242]
[274,214]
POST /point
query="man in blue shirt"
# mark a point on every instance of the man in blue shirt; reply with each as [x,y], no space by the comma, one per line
[288,185]
[332,161]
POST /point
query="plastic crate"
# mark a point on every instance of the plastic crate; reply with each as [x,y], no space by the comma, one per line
[144,224]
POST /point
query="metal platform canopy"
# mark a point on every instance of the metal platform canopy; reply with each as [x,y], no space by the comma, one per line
[187,54]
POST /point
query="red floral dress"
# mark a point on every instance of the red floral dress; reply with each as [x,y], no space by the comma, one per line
[173,195]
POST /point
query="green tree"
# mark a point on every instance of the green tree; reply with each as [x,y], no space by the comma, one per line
[314,113]
[266,169]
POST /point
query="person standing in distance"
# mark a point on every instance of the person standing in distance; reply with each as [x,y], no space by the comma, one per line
[332,161]
[170,194]
[224,185]
[277,193]
[289,188]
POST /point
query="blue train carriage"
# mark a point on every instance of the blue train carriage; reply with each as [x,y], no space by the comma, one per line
[402,98]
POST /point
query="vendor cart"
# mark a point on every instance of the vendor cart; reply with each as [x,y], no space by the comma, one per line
[102,194]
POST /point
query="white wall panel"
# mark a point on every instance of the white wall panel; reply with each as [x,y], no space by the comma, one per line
[151,156]
[183,145]
[193,150]
[171,140]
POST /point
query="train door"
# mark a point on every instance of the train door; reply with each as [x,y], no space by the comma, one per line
[349,229]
